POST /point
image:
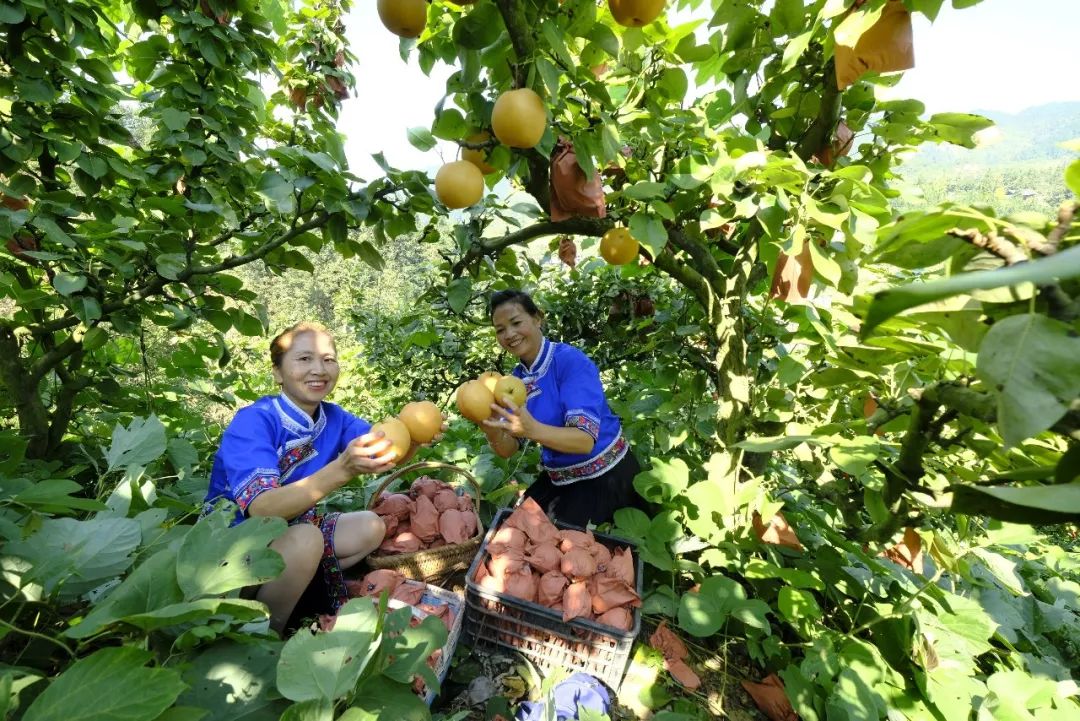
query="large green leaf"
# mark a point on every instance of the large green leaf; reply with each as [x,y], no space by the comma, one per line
[109,685]
[277,193]
[327,665]
[888,303]
[71,557]
[1025,504]
[706,611]
[385,700]
[215,558]
[235,682]
[664,481]
[198,611]
[1032,362]
[151,586]
[411,648]
[142,442]
[56,496]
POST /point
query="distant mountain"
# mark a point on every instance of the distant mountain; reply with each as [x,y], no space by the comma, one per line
[1021,169]
[1031,136]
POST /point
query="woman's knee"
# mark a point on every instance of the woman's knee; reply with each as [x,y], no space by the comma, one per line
[358,532]
[301,547]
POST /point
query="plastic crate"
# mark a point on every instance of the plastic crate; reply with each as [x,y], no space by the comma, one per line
[540,634]
[433,595]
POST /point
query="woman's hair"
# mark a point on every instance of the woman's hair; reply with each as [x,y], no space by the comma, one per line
[512,295]
[284,340]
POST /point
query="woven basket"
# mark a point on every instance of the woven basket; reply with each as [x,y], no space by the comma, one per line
[435,563]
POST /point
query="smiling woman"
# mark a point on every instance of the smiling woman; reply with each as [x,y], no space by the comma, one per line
[588,467]
[283,454]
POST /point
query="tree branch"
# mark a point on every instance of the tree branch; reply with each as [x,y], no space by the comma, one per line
[992,244]
[820,131]
[492,246]
[1066,214]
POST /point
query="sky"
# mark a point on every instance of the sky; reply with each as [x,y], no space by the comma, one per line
[1001,55]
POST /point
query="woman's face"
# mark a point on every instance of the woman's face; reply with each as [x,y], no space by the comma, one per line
[309,370]
[517,332]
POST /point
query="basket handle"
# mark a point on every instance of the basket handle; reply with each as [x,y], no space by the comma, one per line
[373,501]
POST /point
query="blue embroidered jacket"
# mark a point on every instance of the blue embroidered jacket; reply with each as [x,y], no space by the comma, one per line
[564,389]
[273,442]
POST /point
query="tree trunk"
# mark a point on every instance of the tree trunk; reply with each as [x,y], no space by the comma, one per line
[20,386]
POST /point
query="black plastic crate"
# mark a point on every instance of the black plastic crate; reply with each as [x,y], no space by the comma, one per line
[540,634]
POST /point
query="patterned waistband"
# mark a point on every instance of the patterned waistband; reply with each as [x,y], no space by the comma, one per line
[597,465]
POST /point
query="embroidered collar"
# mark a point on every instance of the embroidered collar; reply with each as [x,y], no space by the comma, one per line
[296,421]
[541,364]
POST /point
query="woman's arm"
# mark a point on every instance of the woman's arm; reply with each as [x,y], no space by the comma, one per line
[291,500]
[369,453]
[519,423]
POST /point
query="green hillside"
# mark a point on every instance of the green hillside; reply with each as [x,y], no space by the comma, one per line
[1020,169]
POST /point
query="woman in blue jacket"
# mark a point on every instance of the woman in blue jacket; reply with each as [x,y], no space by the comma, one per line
[587,466]
[283,454]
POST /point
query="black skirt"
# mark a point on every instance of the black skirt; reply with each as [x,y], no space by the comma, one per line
[593,500]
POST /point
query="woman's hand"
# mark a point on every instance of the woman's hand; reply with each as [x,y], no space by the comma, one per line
[369,453]
[518,422]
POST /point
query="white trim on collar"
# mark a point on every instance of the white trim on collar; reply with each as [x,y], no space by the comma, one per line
[296,420]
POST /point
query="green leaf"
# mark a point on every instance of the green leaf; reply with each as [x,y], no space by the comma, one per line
[780,443]
[317,710]
[140,444]
[705,612]
[370,255]
[170,265]
[798,605]
[109,685]
[888,303]
[479,28]
[663,482]
[53,231]
[632,522]
[1032,362]
[649,231]
[235,681]
[175,119]
[450,125]
[1068,467]
[68,284]
[1031,504]
[56,496]
[1072,177]
[327,665]
[210,51]
[12,13]
[216,558]
[796,578]
[603,37]
[644,190]
[72,557]
[795,49]
[412,648]
[856,454]
[387,701]
[459,293]
[421,139]
[197,611]
[958,128]
[824,265]
[277,193]
[673,84]
[152,585]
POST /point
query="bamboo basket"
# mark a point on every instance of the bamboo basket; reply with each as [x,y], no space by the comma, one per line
[434,563]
